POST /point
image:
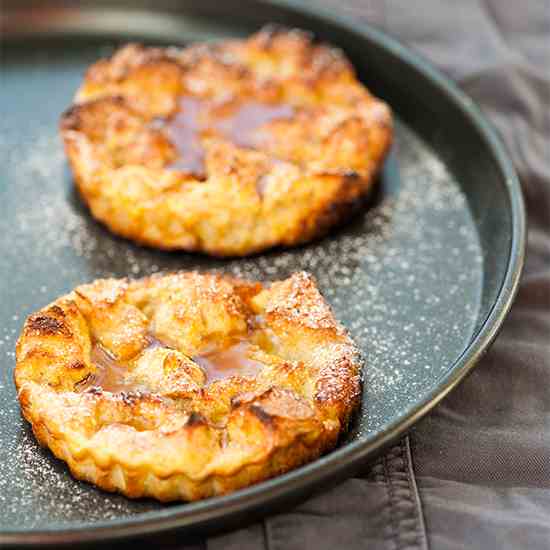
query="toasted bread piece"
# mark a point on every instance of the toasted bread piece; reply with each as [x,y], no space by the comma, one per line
[227,148]
[184,386]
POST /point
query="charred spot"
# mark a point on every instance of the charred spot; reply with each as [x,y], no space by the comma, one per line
[261,415]
[199,176]
[196,419]
[56,310]
[45,325]
[74,117]
[70,119]
[94,390]
[76,365]
[242,399]
[82,383]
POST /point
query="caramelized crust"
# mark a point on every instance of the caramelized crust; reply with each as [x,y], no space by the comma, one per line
[302,169]
[156,425]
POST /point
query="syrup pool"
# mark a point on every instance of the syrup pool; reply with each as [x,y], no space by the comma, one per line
[226,362]
[197,117]
[111,375]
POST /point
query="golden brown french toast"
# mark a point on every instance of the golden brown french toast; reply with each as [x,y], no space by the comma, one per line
[228,148]
[184,386]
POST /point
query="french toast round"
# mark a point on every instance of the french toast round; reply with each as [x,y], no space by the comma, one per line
[228,148]
[184,386]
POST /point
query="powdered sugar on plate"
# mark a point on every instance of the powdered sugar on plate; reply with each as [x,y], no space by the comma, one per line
[404,277]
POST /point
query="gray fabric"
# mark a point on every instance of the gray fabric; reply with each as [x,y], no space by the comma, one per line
[379,510]
[482,458]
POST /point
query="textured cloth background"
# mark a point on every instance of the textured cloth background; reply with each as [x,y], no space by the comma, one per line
[482,458]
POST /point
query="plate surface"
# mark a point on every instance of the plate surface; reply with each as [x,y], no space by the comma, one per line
[422,279]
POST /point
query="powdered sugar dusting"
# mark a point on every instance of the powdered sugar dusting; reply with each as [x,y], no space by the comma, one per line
[404,278]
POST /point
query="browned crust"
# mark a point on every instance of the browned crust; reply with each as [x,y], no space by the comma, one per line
[201,440]
[320,164]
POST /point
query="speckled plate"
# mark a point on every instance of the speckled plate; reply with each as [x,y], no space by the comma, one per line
[422,279]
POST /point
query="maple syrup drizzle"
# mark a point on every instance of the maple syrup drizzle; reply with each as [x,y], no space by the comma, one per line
[239,123]
[242,125]
[184,131]
[226,362]
[111,374]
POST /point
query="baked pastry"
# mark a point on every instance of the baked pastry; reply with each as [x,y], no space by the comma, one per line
[226,149]
[183,386]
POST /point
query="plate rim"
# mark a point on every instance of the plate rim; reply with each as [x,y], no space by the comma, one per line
[342,461]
